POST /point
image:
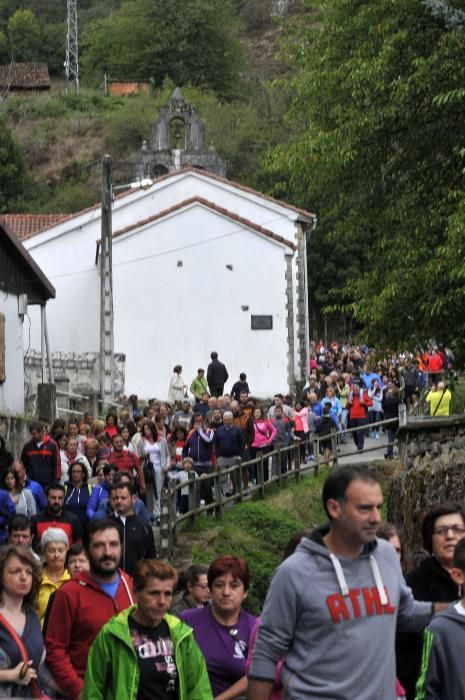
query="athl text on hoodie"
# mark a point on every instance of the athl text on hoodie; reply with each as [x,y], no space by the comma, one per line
[334,620]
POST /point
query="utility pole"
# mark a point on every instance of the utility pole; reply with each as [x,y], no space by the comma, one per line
[106,289]
[72,47]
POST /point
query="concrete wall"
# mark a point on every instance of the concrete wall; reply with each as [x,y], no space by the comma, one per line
[15,433]
[12,389]
[178,301]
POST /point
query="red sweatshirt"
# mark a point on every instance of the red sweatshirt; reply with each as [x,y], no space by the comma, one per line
[79,611]
[357,408]
[128,462]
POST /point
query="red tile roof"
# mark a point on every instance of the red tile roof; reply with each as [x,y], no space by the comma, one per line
[25,226]
[224,212]
[24,76]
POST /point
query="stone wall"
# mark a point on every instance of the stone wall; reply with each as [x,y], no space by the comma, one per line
[15,433]
[432,454]
[75,373]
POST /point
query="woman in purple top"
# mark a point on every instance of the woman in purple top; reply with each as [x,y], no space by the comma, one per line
[223,630]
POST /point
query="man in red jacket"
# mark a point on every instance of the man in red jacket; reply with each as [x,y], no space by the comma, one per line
[84,604]
[357,403]
[126,461]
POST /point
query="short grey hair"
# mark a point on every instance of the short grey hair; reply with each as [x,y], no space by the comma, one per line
[53,534]
[228,414]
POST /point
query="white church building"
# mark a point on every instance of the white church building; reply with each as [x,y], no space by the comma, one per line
[199,263]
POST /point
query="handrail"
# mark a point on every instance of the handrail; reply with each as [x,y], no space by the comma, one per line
[169,521]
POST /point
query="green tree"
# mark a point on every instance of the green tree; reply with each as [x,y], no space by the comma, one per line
[193,42]
[379,156]
[12,170]
[24,35]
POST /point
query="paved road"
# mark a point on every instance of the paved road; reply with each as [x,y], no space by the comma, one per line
[364,457]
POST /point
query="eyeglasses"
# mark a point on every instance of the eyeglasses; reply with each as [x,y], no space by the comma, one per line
[203,586]
[444,529]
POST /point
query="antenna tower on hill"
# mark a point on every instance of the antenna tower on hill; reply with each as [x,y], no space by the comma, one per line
[72,48]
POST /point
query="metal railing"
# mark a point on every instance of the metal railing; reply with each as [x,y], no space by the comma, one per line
[169,520]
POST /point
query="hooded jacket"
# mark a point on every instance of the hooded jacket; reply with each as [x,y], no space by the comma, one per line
[429,581]
[137,541]
[113,670]
[79,611]
[441,676]
[334,619]
[42,463]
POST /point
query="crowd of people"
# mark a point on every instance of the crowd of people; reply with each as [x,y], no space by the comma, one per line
[346,613]
[88,611]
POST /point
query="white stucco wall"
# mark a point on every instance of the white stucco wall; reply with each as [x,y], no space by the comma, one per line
[167,315]
[12,389]
[195,308]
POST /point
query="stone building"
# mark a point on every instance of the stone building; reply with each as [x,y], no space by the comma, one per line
[177,139]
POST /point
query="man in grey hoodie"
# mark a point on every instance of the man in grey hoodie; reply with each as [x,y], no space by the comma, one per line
[332,607]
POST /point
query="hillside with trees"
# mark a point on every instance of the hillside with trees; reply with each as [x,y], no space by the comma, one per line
[359,119]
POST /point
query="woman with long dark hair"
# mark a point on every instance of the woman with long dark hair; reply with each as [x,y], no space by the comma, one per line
[22,498]
[153,450]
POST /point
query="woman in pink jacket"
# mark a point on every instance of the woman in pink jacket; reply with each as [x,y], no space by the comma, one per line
[264,434]
[301,427]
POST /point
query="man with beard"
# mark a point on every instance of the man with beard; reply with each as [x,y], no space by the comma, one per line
[55,515]
[84,604]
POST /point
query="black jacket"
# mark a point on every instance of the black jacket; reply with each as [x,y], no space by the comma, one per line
[431,582]
[66,521]
[42,463]
[137,541]
[217,374]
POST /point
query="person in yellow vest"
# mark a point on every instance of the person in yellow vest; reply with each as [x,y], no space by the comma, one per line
[439,399]
[54,544]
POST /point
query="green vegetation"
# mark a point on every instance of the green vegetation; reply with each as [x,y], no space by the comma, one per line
[12,169]
[363,127]
[259,531]
[195,44]
[377,147]
[65,137]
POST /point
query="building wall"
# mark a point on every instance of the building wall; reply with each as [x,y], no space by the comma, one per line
[126,88]
[178,301]
[165,314]
[12,389]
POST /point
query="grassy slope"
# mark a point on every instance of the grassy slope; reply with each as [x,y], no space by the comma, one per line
[259,531]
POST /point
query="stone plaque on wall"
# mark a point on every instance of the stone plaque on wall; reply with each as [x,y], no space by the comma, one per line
[261,323]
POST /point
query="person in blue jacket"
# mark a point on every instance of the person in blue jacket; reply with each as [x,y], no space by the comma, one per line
[7,509]
[101,491]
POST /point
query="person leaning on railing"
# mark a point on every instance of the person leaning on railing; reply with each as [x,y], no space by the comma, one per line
[439,399]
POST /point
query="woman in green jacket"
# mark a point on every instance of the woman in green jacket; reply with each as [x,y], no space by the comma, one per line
[143,652]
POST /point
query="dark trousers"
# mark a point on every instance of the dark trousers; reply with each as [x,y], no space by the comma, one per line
[205,485]
[358,435]
[390,443]
[256,452]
